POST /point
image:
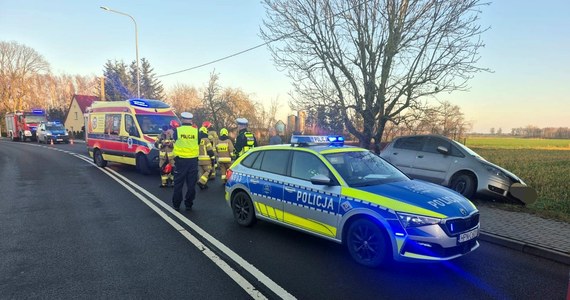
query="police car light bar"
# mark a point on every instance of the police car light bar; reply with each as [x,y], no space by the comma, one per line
[317,139]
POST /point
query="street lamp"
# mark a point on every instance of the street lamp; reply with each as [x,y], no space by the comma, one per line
[136,45]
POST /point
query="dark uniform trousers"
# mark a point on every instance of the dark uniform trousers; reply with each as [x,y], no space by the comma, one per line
[185,170]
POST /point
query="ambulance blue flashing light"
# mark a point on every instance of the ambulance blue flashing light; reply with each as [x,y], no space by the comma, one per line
[138,102]
[148,103]
[38,112]
[317,139]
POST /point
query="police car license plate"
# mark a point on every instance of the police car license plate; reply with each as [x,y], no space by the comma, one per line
[469,235]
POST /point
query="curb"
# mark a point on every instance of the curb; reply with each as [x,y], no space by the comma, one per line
[524,247]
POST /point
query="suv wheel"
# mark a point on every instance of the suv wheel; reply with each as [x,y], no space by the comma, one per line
[243,210]
[464,184]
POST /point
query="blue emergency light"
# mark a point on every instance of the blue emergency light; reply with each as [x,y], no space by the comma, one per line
[38,112]
[148,103]
[317,139]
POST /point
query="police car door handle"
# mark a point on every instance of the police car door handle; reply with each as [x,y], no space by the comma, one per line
[290,190]
[254,181]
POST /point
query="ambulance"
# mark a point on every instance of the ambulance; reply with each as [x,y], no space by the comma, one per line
[125,131]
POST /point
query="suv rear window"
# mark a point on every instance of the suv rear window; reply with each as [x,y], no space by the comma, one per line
[410,143]
[248,161]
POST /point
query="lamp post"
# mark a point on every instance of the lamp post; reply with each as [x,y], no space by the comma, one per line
[136,45]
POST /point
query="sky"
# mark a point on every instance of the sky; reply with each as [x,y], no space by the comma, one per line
[527,47]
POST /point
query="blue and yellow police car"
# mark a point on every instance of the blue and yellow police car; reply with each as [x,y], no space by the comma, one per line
[351,196]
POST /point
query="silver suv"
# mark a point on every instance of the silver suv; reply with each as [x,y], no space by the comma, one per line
[446,162]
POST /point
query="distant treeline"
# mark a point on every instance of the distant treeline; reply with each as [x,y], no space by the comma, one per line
[544,133]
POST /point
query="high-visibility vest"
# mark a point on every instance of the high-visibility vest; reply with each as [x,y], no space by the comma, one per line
[249,144]
[186,145]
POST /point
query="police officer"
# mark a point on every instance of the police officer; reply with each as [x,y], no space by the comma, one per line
[225,149]
[206,158]
[185,162]
[245,139]
[165,145]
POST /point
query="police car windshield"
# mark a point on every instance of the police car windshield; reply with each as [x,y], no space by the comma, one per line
[362,168]
[55,127]
[152,124]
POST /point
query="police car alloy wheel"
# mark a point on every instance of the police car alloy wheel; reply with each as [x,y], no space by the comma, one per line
[243,210]
[366,243]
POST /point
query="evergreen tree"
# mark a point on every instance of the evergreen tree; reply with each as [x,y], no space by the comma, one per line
[118,84]
[151,88]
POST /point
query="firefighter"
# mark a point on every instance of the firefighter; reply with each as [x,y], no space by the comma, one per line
[225,149]
[213,137]
[206,158]
[165,145]
[245,140]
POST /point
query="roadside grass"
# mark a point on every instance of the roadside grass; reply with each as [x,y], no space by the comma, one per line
[547,171]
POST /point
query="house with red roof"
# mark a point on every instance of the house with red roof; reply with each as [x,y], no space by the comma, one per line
[79,104]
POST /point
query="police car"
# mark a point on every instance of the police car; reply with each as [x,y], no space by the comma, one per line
[351,196]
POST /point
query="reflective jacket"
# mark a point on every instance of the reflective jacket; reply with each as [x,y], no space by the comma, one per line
[186,144]
[244,141]
[225,149]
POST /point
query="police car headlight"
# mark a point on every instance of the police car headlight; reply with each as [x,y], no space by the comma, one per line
[410,220]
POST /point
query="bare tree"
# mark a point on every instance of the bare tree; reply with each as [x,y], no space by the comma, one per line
[212,100]
[18,65]
[183,98]
[369,60]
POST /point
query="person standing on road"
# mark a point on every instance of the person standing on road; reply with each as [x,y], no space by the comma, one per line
[165,145]
[274,139]
[185,162]
[206,158]
[213,137]
[225,149]
[245,140]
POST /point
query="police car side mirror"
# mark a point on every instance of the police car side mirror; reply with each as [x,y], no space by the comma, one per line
[321,179]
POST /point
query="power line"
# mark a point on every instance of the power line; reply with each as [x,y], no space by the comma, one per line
[255,47]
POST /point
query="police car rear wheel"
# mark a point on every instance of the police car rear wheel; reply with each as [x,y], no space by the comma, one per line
[242,207]
[366,243]
[98,159]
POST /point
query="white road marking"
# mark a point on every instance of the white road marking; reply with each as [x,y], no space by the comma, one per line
[240,280]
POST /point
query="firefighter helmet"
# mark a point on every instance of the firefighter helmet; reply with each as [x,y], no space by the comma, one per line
[223,131]
[204,129]
[207,124]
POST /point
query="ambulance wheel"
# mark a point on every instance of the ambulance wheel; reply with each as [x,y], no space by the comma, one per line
[98,158]
[367,243]
[142,164]
[243,210]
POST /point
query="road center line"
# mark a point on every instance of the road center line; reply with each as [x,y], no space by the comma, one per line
[246,285]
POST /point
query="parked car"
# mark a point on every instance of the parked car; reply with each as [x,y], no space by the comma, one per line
[52,131]
[351,196]
[441,160]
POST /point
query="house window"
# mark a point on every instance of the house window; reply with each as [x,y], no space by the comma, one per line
[75,115]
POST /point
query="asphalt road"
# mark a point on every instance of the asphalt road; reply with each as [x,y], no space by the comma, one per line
[69,229]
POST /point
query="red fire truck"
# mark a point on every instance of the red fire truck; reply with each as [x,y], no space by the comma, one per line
[22,125]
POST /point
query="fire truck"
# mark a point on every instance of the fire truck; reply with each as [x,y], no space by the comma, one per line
[22,125]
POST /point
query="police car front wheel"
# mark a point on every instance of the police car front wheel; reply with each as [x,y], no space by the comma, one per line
[367,243]
[243,210]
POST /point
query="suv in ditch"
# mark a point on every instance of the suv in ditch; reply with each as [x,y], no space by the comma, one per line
[441,160]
